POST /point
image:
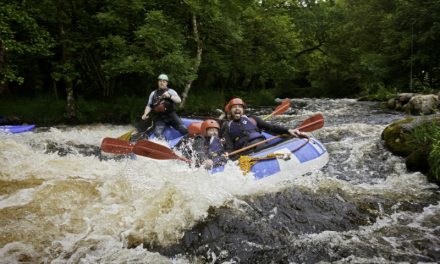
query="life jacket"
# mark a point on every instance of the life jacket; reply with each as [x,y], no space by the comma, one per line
[161,105]
[243,131]
[215,148]
[211,148]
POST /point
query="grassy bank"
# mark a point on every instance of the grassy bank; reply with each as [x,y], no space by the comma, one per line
[427,138]
[46,110]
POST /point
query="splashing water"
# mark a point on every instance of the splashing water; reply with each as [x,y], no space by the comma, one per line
[63,201]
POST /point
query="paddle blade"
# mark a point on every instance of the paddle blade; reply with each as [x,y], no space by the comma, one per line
[195,128]
[116,146]
[281,109]
[312,123]
[127,135]
[155,151]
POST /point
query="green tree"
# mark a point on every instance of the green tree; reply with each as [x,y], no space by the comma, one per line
[22,41]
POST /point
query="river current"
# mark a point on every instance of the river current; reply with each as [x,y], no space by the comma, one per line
[63,201]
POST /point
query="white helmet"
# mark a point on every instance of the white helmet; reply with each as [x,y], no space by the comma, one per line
[163,77]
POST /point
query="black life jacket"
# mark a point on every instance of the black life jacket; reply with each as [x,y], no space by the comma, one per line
[161,105]
[244,131]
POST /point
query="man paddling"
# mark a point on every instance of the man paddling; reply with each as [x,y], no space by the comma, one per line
[161,101]
[242,130]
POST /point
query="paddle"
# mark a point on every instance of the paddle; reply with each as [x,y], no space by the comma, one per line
[142,147]
[281,109]
[155,151]
[142,126]
[116,146]
[127,135]
[310,124]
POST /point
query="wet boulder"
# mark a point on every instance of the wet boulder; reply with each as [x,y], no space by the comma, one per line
[400,100]
[263,229]
[416,104]
[422,104]
[399,140]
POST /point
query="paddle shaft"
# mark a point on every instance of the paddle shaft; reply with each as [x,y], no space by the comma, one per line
[253,145]
[307,127]
[282,108]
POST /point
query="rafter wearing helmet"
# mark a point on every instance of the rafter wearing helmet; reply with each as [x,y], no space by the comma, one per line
[242,130]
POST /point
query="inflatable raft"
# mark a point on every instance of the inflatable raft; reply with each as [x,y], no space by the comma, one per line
[16,129]
[298,155]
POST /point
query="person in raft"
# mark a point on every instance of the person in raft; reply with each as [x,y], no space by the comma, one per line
[242,131]
[162,103]
[208,147]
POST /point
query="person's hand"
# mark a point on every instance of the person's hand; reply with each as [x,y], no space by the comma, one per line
[297,133]
[144,116]
[166,95]
[207,164]
[226,155]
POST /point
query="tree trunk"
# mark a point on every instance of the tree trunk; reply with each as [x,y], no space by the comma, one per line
[4,87]
[70,104]
[197,62]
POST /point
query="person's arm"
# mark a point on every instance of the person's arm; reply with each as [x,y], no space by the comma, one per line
[147,109]
[263,125]
[173,96]
[277,129]
[146,112]
[228,144]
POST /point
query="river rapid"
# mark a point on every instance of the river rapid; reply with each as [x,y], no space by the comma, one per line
[63,201]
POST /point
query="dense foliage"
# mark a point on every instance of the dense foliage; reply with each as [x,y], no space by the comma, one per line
[426,140]
[102,50]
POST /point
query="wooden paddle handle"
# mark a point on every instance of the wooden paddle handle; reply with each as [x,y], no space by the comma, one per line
[254,145]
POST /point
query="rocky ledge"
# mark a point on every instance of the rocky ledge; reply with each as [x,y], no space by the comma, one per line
[416,104]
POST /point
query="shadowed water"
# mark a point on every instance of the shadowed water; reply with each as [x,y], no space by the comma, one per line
[63,201]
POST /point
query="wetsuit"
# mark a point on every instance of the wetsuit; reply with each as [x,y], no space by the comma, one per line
[247,131]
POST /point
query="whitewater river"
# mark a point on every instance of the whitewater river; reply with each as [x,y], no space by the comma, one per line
[62,201]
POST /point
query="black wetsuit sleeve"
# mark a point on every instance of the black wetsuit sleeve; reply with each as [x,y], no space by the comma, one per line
[229,145]
[267,127]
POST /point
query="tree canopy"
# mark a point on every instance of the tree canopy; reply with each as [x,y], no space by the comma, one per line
[101,49]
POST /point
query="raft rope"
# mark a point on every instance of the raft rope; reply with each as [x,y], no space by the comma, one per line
[246,162]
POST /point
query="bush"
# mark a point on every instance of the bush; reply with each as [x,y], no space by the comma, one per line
[434,155]
[428,136]
[42,110]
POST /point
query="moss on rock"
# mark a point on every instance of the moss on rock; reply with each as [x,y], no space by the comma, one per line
[398,138]
[415,138]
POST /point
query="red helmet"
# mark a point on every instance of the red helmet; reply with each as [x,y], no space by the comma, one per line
[234,101]
[208,124]
[195,128]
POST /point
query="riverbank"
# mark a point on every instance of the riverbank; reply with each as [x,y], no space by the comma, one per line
[49,111]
